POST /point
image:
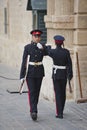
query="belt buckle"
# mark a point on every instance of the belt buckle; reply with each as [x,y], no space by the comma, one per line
[35,63]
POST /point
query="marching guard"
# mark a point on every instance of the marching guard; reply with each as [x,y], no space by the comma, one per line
[35,72]
[62,69]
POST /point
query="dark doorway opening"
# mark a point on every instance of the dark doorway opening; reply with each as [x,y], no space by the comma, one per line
[39,10]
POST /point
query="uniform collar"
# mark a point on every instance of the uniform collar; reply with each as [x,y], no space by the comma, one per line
[58,46]
[33,43]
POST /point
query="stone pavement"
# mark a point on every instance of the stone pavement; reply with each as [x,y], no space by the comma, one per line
[14,109]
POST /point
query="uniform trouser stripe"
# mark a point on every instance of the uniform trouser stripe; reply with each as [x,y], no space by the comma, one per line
[34,85]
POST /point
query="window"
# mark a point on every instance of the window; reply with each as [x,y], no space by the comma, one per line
[5,21]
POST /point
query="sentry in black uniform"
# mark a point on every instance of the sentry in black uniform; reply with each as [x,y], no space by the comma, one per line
[62,69]
[35,70]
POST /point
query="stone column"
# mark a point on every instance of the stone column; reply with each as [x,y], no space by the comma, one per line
[50,3]
[61,20]
[80,45]
[63,24]
[48,17]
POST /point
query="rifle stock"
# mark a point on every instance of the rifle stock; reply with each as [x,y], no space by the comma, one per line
[21,87]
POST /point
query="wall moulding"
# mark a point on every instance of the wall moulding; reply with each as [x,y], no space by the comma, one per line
[61,22]
[63,18]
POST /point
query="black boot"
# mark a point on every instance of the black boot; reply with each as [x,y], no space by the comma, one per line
[59,116]
[34,116]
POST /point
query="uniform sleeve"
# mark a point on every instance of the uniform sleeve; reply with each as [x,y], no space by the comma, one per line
[45,52]
[49,51]
[69,67]
[24,63]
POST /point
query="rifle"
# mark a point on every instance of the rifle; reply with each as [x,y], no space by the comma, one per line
[22,84]
[21,87]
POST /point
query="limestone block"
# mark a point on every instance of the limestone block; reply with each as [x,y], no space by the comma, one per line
[80,37]
[59,22]
[80,6]
[64,21]
[50,7]
[77,86]
[48,18]
[62,26]
[64,7]
[82,57]
[84,89]
[77,93]
[81,21]
[63,18]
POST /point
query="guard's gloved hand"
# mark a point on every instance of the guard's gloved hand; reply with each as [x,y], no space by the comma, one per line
[22,80]
[39,46]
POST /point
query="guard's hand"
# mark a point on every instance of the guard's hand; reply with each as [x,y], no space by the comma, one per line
[39,46]
[22,80]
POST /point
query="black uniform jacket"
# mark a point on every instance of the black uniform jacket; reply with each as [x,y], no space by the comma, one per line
[36,55]
[61,57]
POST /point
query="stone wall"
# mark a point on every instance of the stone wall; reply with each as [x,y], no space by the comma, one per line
[19,25]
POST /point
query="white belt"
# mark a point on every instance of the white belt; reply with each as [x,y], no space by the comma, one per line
[58,67]
[35,63]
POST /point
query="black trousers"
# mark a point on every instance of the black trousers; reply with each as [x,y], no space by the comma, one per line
[34,85]
[60,94]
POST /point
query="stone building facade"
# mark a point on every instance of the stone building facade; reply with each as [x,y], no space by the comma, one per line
[65,17]
[15,25]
